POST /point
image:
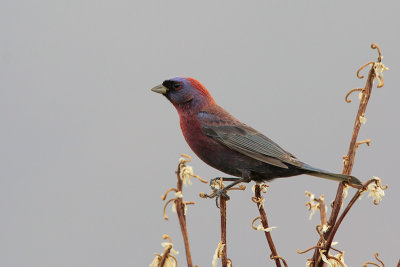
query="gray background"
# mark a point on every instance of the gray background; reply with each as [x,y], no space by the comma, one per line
[87,149]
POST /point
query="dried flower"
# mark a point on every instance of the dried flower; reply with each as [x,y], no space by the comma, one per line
[179,194]
[363,120]
[263,187]
[360,95]
[173,208]
[339,262]
[380,68]
[376,192]
[170,260]
[313,206]
[215,258]
[261,228]
[186,174]
[156,261]
[345,191]
[184,159]
[323,257]
[324,228]
[217,253]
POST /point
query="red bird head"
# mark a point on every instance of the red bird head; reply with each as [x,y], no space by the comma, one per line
[186,94]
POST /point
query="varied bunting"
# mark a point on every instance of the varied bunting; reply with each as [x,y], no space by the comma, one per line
[227,144]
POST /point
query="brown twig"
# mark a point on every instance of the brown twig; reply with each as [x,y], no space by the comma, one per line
[264,221]
[184,174]
[222,210]
[349,161]
[180,210]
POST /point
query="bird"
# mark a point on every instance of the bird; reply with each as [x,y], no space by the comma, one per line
[229,145]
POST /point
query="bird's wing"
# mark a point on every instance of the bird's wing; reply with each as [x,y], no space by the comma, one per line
[246,140]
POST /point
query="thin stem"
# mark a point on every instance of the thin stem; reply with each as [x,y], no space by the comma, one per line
[264,222]
[222,209]
[180,210]
[348,165]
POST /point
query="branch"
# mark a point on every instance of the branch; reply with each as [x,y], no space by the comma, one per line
[376,69]
[180,210]
[184,174]
[259,200]
[222,210]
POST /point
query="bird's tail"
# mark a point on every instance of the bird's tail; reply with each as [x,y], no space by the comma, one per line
[331,176]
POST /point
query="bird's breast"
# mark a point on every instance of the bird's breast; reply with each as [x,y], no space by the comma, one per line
[211,151]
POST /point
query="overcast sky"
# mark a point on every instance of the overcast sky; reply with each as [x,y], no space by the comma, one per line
[87,149]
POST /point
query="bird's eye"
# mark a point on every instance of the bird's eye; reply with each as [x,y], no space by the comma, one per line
[177,86]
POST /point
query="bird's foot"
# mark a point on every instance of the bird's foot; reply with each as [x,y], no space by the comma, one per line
[220,190]
[217,193]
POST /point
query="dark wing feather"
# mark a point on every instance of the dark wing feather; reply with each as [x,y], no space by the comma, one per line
[248,141]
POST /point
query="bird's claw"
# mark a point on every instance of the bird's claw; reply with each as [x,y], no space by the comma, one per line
[217,194]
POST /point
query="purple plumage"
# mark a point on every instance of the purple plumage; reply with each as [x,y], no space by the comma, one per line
[227,144]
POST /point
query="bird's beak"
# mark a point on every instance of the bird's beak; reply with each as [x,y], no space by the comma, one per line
[161,89]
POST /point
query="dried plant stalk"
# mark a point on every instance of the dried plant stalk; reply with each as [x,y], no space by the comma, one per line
[180,210]
[349,161]
[259,200]
[222,209]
